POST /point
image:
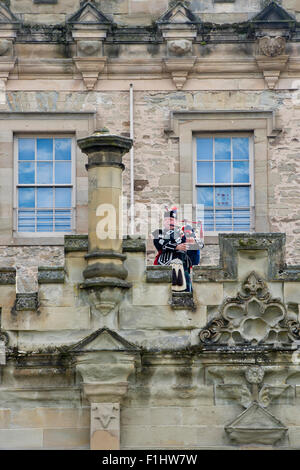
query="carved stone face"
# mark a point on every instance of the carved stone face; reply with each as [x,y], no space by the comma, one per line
[272,46]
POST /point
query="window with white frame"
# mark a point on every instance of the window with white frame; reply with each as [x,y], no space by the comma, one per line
[44,198]
[224,182]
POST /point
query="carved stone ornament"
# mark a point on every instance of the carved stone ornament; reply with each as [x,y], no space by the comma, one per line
[179,68]
[254,375]
[252,318]
[104,413]
[89,48]
[272,46]
[90,68]
[180,46]
[256,426]
[4,46]
[104,300]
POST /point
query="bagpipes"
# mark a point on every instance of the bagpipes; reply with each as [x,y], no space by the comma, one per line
[194,236]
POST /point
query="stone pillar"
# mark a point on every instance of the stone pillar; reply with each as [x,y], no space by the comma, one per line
[105,414]
[105,259]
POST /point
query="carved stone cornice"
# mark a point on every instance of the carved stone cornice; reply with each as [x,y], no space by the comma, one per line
[179,68]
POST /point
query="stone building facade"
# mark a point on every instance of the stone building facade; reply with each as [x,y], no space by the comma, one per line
[96,352]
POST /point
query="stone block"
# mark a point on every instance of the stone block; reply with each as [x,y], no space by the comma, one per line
[38,397]
[48,318]
[252,260]
[59,295]
[18,439]
[292,292]
[2,353]
[165,416]
[151,295]
[4,419]
[136,266]
[136,437]
[66,438]
[294,437]
[135,416]
[208,293]
[74,268]
[177,395]
[153,318]
[51,418]
[159,274]
[212,415]
[211,436]
[7,295]
[105,426]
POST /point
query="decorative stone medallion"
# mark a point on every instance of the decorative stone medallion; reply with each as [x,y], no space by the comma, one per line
[254,375]
[272,46]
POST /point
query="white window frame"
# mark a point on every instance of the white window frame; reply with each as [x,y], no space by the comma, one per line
[37,135]
[251,183]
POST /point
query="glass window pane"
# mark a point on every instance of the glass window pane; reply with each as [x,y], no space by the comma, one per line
[63,197]
[26,149]
[45,221]
[26,197]
[205,196]
[63,149]
[63,221]
[240,148]
[222,148]
[223,197]
[205,149]
[44,172]
[26,173]
[241,220]
[63,172]
[209,221]
[223,172]
[223,221]
[204,173]
[241,197]
[44,149]
[241,172]
[26,221]
[45,197]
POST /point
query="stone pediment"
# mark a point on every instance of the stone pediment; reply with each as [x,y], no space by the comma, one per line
[103,340]
[88,14]
[256,426]
[273,13]
[178,14]
[6,16]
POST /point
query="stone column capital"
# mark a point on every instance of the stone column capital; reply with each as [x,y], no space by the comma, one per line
[97,392]
[105,149]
